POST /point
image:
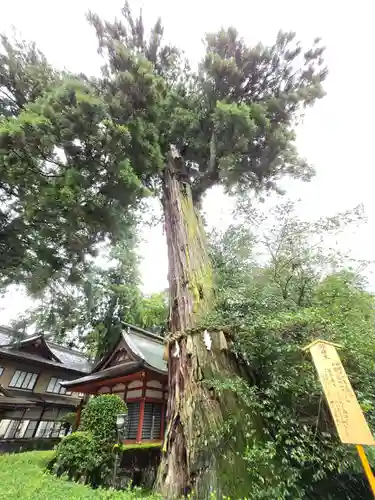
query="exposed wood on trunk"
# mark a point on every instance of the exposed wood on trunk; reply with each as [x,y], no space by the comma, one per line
[190,275]
[192,411]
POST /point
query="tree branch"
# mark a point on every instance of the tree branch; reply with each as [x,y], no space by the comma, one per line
[12,99]
[31,164]
[211,175]
[57,163]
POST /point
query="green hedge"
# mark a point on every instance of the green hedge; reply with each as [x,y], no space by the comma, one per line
[99,417]
[88,454]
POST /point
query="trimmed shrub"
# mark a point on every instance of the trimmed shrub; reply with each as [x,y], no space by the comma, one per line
[99,417]
[89,453]
[77,456]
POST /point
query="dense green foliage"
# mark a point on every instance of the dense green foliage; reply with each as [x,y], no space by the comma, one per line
[77,455]
[88,453]
[89,314]
[99,417]
[69,419]
[274,315]
[23,475]
[78,154]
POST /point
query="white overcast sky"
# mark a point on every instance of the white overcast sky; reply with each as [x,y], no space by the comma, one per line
[337,134]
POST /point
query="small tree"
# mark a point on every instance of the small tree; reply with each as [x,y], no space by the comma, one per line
[99,417]
[89,451]
[77,456]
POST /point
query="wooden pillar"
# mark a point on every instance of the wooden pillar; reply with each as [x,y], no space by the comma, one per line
[142,409]
[141,417]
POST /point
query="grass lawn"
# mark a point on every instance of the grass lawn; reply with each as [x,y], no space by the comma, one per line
[23,477]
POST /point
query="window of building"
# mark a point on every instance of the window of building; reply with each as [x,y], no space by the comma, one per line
[78,395]
[44,429]
[58,430]
[133,420]
[49,429]
[23,380]
[4,426]
[29,433]
[56,387]
[151,428]
[13,429]
[1,370]
[152,421]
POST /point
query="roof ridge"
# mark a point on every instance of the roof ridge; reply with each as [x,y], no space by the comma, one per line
[13,332]
[36,357]
[31,338]
[145,332]
[55,344]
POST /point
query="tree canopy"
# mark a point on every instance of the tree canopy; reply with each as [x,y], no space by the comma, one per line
[90,313]
[77,154]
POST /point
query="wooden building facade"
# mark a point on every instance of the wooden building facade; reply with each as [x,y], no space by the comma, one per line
[33,401]
[135,371]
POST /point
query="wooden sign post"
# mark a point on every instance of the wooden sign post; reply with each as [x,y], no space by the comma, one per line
[347,415]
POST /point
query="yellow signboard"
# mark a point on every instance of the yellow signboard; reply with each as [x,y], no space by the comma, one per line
[350,422]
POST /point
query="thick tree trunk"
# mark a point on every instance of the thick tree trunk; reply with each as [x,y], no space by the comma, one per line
[195,357]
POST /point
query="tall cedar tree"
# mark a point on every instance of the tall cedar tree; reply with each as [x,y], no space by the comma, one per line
[78,158]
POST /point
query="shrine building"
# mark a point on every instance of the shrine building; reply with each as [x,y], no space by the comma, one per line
[136,371]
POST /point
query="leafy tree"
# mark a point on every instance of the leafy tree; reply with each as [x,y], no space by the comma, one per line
[90,313]
[25,75]
[300,444]
[270,260]
[153,312]
[60,156]
[91,150]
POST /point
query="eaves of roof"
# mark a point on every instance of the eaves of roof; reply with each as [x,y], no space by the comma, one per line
[32,358]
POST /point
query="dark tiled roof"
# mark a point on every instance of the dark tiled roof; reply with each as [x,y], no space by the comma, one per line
[66,358]
[6,335]
[114,371]
[147,348]
[22,398]
[72,359]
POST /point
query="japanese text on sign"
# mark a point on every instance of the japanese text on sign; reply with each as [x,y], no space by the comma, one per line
[347,414]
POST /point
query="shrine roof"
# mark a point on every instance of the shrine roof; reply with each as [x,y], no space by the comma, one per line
[144,350]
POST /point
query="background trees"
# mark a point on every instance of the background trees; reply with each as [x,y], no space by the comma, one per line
[89,314]
[300,445]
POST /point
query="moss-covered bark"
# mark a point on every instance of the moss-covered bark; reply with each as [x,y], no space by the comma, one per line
[190,273]
[195,413]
